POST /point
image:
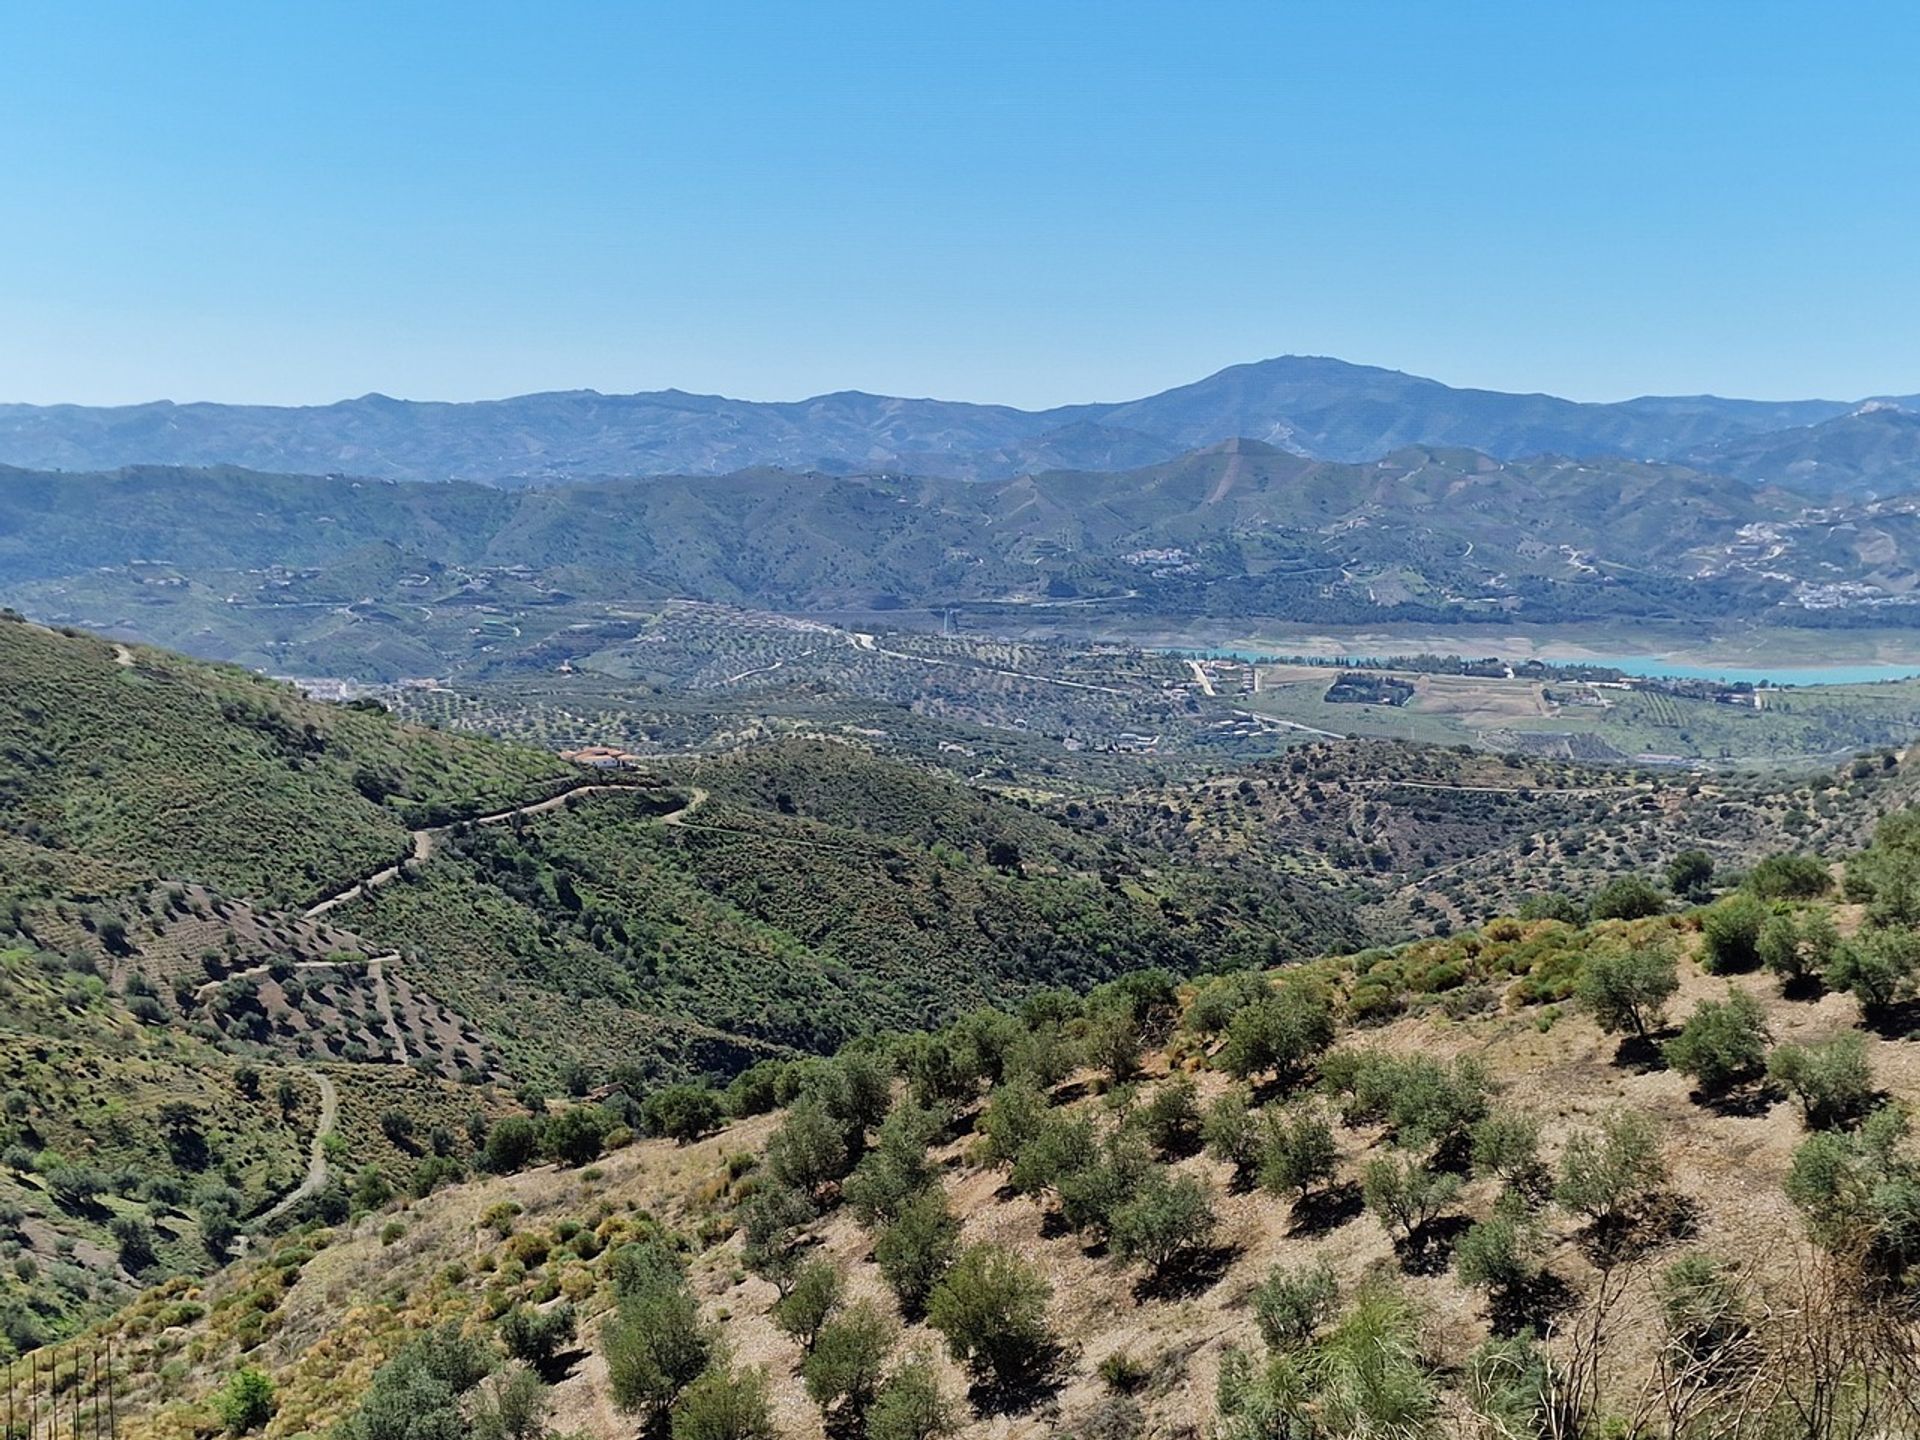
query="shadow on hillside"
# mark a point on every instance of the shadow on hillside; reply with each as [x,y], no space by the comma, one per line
[1803,987]
[1897,1021]
[561,1365]
[1641,1054]
[1664,1220]
[1741,1102]
[1038,1381]
[1429,1250]
[1190,1276]
[1529,1307]
[1326,1210]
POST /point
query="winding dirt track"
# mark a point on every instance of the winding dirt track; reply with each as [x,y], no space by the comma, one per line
[316,1152]
[424,842]
[427,840]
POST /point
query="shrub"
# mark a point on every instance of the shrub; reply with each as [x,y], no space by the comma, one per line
[511,1145]
[1172,1117]
[1703,1309]
[1790,877]
[655,1345]
[1282,1033]
[1499,1254]
[419,1392]
[992,1310]
[725,1405]
[1609,1174]
[1297,1153]
[915,1252]
[1506,1145]
[1091,1194]
[809,1151]
[1406,1195]
[1013,1117]
[1830,1078]
[909,1405]
[1627,898]
[1730,930]
[1291,1306]
[771,1224]
[536,1336]
[1219,999]
[681,1113]
[1861,1192]
[1875,967]
[1626,988]
[576,1135]
[245,1402]
[1169,1217]
[1231,1132]
[1723,1044]
[844,1370]
[1690,875]
[809,1302]
[896,1169]
[754,1091]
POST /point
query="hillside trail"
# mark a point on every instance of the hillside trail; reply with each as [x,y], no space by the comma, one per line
[426,841]
[316,1152]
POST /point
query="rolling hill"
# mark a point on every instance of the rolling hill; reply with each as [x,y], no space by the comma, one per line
[1313,406]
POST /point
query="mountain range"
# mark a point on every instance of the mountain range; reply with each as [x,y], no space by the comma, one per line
[1314,407]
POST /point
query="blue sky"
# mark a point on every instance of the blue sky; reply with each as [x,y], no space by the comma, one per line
[1033,202]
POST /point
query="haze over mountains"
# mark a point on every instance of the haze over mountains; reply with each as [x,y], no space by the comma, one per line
[1315,407]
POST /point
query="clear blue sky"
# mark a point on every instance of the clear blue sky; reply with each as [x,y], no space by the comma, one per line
[1028,202]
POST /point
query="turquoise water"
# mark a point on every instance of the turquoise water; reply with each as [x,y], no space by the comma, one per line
[1655,668]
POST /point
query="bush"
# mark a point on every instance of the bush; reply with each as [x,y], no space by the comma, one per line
[909,1405]
[771,1223]
[809,1151]
[915,1252]
[1690,876]
[1861,1192]
[511,1145]
[1830,1078]
[681,1113]
[896,1169]
[1610,1174]
[992,1310]
[1169,1217]
[1232,1133]
[536,1336]
[725,1405]
[1499,1254]
[1723,1044]
[1875,967]
[1506,1145]
[1290,1306]
[844,1370]
[1172,1117]
[1627,988]
[1219,999]
[419,1393]
[1730,930]
[1790,877]
[1405,1195]
[576,1135]
[1627,898]
[1797,952]
[655,1345]
[1283,1033]
[809,1302]
[1297,1153]
[1703,1310]
[245,1402]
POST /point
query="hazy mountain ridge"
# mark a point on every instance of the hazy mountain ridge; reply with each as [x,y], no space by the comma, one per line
[1314,406]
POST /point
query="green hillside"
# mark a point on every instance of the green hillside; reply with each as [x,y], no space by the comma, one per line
[177,769]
